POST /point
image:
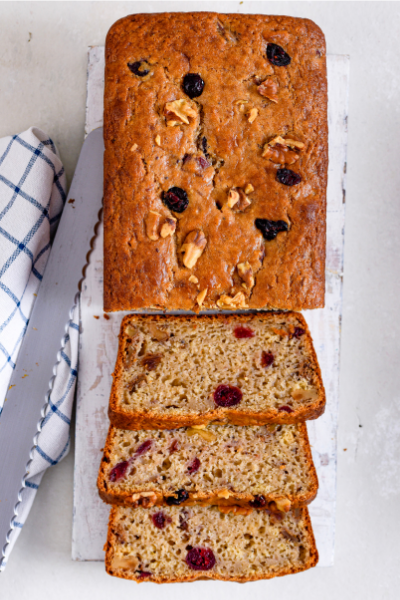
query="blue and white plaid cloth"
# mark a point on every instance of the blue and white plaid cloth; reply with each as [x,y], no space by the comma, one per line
[32,196]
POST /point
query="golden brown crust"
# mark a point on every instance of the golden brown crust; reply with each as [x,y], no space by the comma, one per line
[111,540]
[229,52]
[151,420]
[124,497]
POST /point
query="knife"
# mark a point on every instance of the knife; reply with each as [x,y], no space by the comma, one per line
[21,418]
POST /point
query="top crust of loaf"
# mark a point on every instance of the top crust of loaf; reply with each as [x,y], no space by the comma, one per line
[153,419]
[145,157]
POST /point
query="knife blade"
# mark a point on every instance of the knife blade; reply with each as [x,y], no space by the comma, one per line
[56,296]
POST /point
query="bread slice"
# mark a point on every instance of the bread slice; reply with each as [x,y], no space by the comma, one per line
[180,371]
[178,544]
[221,465]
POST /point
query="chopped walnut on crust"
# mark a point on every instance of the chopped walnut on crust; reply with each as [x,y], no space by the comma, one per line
[269,89]
[282,151]
[179,111]
[145,499]
[237,302]
[201,297]
[193,247]
[246,274]
[168,227]
[153,222]
[237,199]
[236,510]
[252,115]
[248,189]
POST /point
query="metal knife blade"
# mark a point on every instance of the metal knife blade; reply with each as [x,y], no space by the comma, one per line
[43,338]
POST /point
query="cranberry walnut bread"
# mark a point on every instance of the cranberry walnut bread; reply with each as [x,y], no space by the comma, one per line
[180,371]
[219,465]
[183,544]
[216,159]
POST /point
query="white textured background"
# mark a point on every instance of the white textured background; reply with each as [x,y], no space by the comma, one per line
[43,83]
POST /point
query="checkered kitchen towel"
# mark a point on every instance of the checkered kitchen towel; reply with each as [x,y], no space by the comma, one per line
[32,196]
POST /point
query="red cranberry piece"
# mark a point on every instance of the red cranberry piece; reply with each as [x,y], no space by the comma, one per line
[267,358]
[119,471]
[200,559]
[143,574]
[286,409]
[288,177]
[277,56]
[194,466]
[258,502]
[143,448]
[173,447]
[193,85]
[179,497]
[138,69]
[202,162]
[243,332]
[227,395]
[270,229]
[176,199]
[160,520]
[298,332]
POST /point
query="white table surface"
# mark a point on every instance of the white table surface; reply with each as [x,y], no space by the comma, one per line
[43,83]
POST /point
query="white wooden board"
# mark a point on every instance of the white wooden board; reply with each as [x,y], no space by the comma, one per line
[98,343]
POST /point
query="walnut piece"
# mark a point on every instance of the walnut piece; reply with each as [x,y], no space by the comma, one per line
[206,435]
[269,89]
[233,197]
[145,499]
[193,247]
[158,334]
[158,140]
[134,147]
[301,394]
[224,494]
[193,279]
[252,115]
[248,189]
[283,504]
[238,199]
[152,225]
[200,298]
[168,227]
[246,274]
[282,151]
[238,301]
[178,111]
[124,562]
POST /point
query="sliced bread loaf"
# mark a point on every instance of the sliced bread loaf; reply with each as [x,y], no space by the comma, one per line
[221,464]
[176,371]
[178,544]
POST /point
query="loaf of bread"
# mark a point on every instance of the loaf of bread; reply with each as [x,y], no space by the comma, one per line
[178,544]
[180,371]
[215,168]
[218,465]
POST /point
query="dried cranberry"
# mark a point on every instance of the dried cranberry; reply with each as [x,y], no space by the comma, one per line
[227,395]
[160,520]
[200,559]
[194,466]
[277,56]
[286,409]
[243,332]
[143,448]
[143,574]
[193,85]
[176,199]
[179,497]
[267,358]
[298,332]
[202,162]
[204,146]
[288,177]
[173,447]
[137,68]
[270,229]
[258,502]
[119,471]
